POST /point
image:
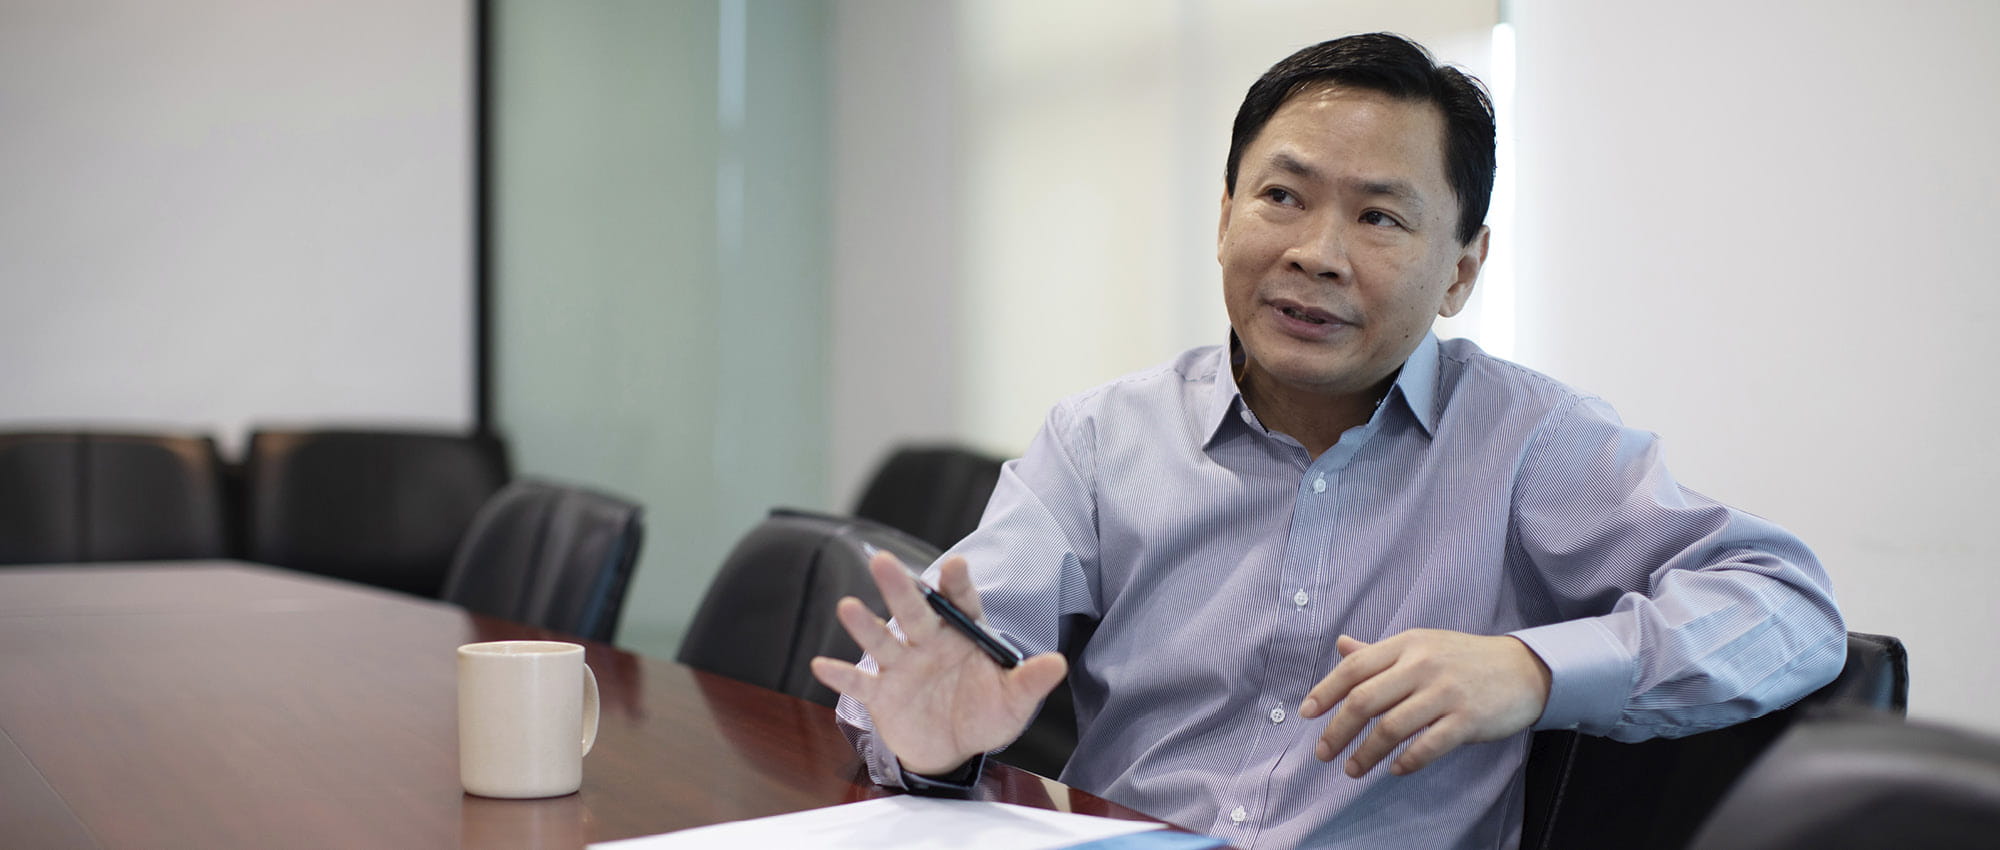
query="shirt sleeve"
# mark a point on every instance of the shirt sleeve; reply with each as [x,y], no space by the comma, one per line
[1030,557]
[1676,614]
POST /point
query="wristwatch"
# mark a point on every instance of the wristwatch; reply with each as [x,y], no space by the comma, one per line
[958,783]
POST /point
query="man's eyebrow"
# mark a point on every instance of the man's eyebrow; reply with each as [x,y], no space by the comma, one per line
[1401,190]
[1294,166]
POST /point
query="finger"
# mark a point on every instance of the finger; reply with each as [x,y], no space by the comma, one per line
[1395,726]
[868,630]
[844,678]
[1346,645]
[1442,737]
[1034,678]
[955,582]
[906,602]
[1358,666]
[1378,694]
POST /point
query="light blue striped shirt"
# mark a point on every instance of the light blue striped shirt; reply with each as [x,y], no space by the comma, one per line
[1218,562]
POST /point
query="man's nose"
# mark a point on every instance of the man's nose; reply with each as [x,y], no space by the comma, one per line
[1321,250]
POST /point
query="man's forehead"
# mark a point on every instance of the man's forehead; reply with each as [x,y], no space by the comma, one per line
[1290,143]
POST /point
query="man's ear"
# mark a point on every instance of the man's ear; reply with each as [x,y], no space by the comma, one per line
[1467,270]
[1222,226]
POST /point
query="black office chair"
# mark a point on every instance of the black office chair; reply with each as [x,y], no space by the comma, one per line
[68,497]
[936,493]
[770,610]
[550,556]
[1864,780]
[1590,792]
[386,508]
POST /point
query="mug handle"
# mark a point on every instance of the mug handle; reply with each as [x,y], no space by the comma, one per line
[589,709]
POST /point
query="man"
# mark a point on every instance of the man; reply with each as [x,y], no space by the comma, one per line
[1314,588]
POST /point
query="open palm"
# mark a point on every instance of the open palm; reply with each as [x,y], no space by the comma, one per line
[935,699]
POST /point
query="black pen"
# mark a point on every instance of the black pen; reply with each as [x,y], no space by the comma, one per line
[995,645]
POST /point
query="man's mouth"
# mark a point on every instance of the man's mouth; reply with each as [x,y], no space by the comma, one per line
[1309,315]
[1304,316]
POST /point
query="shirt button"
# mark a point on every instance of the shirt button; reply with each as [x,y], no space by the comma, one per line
[1238,815]
[1300,598]
[1278,714]
[1319,484]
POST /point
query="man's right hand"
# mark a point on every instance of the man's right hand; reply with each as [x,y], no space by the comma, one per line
[935,699]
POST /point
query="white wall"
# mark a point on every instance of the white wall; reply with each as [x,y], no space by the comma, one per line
[1764,231]
[893,331]
[1025,196]
[217,212]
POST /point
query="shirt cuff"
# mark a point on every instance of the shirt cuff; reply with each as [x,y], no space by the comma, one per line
[958,783]
[1590,675]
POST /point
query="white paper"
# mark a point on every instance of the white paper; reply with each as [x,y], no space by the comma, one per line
[898,822]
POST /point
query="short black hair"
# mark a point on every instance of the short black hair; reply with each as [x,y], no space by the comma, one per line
[1398,67]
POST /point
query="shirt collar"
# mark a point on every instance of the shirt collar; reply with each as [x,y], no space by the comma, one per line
[1416,384]
[1224,395]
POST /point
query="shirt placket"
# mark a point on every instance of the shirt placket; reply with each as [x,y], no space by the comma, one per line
[1295,645]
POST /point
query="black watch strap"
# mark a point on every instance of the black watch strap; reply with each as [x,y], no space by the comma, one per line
[958,783]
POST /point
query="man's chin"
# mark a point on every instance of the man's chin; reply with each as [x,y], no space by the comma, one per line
[1327,373]
[1313,378]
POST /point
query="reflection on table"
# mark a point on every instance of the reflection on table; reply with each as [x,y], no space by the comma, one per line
[221,704]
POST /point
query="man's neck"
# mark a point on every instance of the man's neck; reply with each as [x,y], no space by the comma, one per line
[1316,420]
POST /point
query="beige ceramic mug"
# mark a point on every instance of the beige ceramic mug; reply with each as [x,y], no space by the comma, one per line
[527,715]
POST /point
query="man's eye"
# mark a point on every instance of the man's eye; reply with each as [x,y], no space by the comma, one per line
[1379,218]
[1280,196]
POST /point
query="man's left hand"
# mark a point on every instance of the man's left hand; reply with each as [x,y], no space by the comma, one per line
[1454,688]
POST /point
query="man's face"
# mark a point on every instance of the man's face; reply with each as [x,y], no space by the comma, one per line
[1339,245]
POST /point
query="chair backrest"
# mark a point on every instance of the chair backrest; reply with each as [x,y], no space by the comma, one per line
[386,508]
[67,497]
[770,610]
[548,555]
[936,493]
[1864,781]
[1589,792]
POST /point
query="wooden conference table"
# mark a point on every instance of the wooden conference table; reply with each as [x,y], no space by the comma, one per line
[218,704]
